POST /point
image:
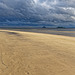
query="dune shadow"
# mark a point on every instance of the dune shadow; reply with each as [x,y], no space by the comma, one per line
[13,33]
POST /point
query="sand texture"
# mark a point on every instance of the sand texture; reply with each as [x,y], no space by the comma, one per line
[29,53]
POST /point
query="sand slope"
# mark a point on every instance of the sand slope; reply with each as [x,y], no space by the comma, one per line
[28,53]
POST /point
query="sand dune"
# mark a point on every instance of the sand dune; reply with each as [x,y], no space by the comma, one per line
[29,53]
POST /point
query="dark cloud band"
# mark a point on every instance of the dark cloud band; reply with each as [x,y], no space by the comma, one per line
[54,12]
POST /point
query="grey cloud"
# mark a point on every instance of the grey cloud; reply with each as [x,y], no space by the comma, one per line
[43,11]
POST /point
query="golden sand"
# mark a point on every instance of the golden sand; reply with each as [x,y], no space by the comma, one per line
[28,53]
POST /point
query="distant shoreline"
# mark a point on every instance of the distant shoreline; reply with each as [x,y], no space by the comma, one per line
[33,27]
[55,31]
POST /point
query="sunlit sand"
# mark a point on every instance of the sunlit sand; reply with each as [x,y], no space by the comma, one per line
[32,53]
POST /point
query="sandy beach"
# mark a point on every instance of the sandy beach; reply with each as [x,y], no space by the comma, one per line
[34,52]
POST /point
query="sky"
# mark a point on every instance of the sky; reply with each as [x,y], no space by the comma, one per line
[49,12]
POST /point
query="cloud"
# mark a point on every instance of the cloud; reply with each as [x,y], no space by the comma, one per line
[39,11]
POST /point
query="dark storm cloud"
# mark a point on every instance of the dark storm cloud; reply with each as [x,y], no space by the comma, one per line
[40,11]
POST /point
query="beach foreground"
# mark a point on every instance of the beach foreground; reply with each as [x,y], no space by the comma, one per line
[29,53]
